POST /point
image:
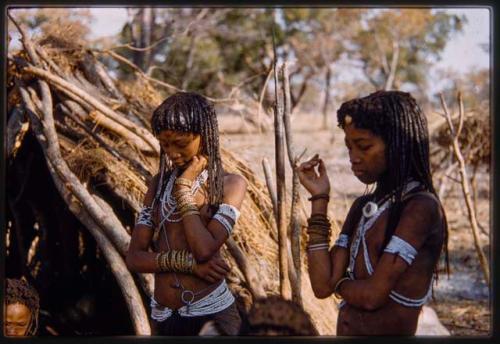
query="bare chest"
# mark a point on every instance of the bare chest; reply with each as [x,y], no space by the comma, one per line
[170,235]
[370,246]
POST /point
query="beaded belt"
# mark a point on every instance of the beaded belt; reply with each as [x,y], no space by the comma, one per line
[219,299]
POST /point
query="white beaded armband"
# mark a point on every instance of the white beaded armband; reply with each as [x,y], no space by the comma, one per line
[227,225]
[230,211]
[401,248]
[145,217]
[342,241]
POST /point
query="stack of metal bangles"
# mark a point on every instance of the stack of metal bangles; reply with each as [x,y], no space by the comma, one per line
[184,197]
[318,229]
[176,261]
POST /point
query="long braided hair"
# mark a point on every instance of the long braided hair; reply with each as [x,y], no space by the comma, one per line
[192,113]
[396,117]
[19,291]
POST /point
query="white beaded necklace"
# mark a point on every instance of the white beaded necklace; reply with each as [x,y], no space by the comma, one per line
[168,204]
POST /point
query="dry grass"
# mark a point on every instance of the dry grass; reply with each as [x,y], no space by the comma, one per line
[87,162]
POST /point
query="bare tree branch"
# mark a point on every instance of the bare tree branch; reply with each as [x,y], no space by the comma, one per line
[466,190]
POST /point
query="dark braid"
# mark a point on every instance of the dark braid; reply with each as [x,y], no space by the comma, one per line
[396,117]
[19,291]
[192,113]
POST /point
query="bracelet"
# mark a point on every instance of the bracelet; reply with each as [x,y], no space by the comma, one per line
[337,287]
[184,182]
[158,261]
[190,212]
[177,261]
[319,196]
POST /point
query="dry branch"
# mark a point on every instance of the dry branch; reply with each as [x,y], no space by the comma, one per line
[103,114]
[280,182]
[466,185]
[261,98]
[145,173]
[295,279]
[252,278]
[67,185]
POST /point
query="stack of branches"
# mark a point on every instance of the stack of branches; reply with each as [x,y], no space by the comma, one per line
[474,133]
[100,154]
[474,140]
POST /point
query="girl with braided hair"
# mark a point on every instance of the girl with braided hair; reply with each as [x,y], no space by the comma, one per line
[385,259]
[189,211]
[22,305]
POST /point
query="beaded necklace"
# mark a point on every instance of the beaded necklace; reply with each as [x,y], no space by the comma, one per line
[170,213]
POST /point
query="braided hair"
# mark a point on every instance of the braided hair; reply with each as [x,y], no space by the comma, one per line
[192,113]
[19,291]
[396,117]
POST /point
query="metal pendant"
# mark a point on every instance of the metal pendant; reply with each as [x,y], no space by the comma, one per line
[370,209]
[187,294]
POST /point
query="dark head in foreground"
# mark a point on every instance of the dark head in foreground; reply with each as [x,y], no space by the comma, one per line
[22,305]
[271,316]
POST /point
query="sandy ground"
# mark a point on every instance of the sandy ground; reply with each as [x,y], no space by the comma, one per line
[461,300]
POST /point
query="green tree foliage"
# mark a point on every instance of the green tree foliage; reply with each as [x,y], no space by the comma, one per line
[398,46]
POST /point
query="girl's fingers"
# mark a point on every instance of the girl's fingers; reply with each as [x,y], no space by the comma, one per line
[219,269]
[322,168]
[216,276]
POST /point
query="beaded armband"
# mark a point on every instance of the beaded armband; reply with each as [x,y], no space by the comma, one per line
[227,225]
[402,248]
[145,217]
[342,241]
[231,212]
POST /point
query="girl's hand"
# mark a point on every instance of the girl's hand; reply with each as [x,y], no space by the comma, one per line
[194,168]
[313,176]
[212,270]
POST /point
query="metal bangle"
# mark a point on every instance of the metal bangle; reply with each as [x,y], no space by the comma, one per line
[337,287]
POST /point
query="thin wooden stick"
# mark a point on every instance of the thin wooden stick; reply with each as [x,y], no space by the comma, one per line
[251,276]
[280,183]
[272,195]
[141,74]
[295,279]
[473,183]
[261,98]
[466,188]
[270,186]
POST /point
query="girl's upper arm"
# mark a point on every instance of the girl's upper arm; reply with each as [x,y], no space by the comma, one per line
[144,227]
[235,187]
[418,217]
